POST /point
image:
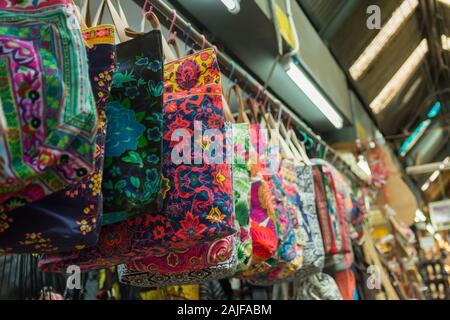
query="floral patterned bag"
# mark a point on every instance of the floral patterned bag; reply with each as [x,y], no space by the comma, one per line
[50,117]
[132,169]
[293,238]
[71,218]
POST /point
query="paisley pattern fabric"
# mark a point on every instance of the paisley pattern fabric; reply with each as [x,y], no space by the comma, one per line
[69,219]
[222,264]
[50,119]
[241,187]
[313,253]
[135,237]
[132,170]
[319,286]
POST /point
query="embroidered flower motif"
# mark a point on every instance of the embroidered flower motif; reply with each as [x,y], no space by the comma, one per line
[115,171]
[154,134]
[215,121]
[215,215]
[165,186]
[132,92]
[188,74]
[172,260]
[5,222]
[123,130]
[158,232]
[222,178]
[96,183]
[153,159]
[191,228]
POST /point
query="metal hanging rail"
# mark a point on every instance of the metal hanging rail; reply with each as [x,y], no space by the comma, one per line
[238,72]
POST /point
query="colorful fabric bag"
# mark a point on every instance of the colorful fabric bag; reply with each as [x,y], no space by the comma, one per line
[208,215]
[132,170]
[242,188]
[313,252]
[264,226]
[211,261]
[71,218]
[293,237]
[50,117]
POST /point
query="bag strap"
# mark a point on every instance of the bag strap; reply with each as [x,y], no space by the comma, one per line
[154,22]
[85,11]
[242,117]
[118,22]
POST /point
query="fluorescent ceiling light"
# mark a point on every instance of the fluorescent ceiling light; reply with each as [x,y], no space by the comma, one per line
[400,78]
[435,109]
[411,141]
[434,175]
[232,5]
[425,186]
[400,15]
[446,2]
[445,42]
[314,95]
[362,163]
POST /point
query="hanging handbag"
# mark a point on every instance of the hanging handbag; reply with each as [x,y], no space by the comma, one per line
[198,263]
[132,168]
[71,218]
[241,181]
[50,117]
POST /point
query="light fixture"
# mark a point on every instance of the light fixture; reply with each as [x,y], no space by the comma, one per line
[445,2]
[435,109]
[400,78]
[445,42]
[310,89]
[434,175]
[425,186]
[411,141]
[232,5]
[362,163]
[400,15]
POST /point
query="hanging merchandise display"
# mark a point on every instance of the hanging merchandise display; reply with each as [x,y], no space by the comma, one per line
[159,168]
[48,107]
[39,227]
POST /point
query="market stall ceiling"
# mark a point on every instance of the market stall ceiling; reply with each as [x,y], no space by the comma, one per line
[342,24]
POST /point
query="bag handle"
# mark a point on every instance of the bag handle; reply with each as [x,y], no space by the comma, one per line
[154,22]
[242,116]
[118,21]
[85,12]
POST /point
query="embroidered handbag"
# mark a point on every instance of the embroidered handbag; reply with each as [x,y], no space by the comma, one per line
[313,252]
[293,238]
[208,262]
[263,220]
[71,218]
[132,168]
[50,118]
[241,180]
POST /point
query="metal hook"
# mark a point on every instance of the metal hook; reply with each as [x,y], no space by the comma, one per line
[188,35]
[146,3]
[174,20]
[203,41]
